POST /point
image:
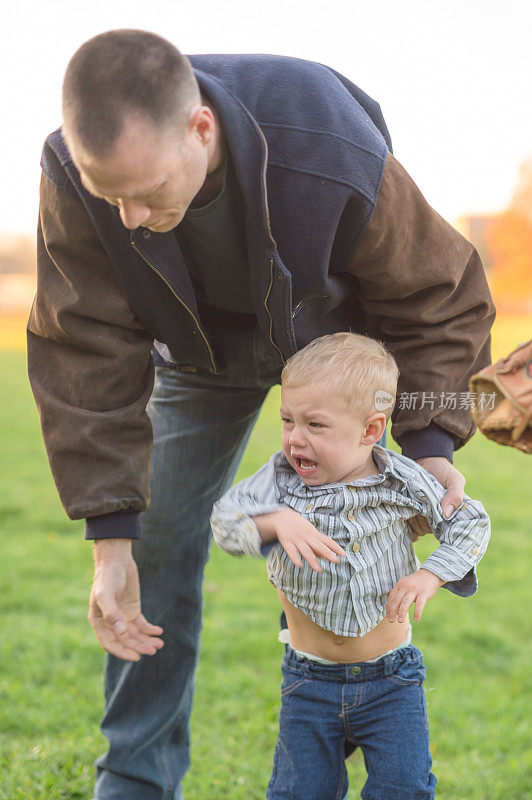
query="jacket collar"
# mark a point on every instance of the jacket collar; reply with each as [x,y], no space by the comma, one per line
[248,148]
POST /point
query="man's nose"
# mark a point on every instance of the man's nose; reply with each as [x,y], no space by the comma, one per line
[134,214]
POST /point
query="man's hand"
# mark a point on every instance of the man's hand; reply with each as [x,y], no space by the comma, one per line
[298,537]
[114,605]
[450,479]
[418,587]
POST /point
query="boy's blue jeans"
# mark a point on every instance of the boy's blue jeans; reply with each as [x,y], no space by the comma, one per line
[328,711]
[201,426]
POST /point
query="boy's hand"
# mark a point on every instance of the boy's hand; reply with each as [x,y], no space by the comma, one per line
[298,537]
[418,587]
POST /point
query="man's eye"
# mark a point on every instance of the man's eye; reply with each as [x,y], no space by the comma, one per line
[315,424]
[285,420]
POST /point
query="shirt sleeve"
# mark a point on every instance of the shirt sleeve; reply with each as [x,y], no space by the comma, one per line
[231,520]
[463,537]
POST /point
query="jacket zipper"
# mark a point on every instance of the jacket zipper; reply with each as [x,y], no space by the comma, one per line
[211,355]
[296,309]
[269,314]
[263,177]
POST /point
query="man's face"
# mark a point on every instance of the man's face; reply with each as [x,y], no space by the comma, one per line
[152,174]
[322,437]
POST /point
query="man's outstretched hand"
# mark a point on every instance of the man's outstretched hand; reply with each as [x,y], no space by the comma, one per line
[114,605]
[451,480]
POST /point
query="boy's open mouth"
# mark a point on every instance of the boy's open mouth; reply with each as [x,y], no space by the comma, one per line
[305,463]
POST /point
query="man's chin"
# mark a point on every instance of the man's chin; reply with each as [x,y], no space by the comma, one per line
[165,225]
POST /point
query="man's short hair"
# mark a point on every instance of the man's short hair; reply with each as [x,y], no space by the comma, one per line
[121,72]
[359,369]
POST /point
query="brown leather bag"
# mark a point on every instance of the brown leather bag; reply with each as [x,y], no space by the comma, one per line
[502,399]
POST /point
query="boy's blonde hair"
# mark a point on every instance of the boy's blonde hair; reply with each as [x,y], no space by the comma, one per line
[357,367]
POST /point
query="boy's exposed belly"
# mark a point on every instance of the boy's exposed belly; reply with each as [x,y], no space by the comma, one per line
[309,637]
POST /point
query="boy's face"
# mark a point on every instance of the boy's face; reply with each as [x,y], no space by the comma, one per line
[323,439]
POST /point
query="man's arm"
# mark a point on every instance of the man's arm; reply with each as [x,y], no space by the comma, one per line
[91,373]
[423,288]
[424,291]
[90,368]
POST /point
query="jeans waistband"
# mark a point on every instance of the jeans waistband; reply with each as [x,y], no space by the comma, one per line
[351,672]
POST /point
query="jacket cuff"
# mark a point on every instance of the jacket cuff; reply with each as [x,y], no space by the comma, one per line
[430,442]
[117,525]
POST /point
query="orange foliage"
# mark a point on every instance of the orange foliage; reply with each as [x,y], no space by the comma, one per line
[509,237]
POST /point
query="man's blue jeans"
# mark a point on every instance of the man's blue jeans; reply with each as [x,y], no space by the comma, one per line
[201,426]
[328,711]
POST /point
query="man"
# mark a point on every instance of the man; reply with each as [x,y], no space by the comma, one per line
[227,215]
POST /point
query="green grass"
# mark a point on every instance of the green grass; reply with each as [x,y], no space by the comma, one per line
[476,650]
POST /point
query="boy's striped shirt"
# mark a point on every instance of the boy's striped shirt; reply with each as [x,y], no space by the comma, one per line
[369,519]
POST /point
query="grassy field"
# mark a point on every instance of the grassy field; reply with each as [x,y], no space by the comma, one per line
[477,650]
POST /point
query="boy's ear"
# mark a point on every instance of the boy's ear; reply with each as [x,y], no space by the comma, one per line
[375,425]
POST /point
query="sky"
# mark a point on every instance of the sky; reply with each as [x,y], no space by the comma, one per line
[453,79]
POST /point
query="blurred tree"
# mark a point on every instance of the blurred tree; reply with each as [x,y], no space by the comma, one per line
[509,238]
[17,254]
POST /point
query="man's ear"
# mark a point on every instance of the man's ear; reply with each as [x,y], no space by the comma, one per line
[201,123]
[375,425]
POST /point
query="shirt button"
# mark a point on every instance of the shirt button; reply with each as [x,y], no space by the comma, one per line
[355,547]
[146,234]
[351,517]
[355,670]
[309,506]
[475,551]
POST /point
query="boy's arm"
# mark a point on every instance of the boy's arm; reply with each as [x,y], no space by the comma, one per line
[463,540]
[232,525]
[249,519]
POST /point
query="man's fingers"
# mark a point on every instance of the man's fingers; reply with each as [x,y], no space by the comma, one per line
[140,629]
[394,599]
[419,526]
[405,604]
[451,501]
[105,608]
[125,653]
[146,627]
[454,497]
[128,644]
[420,605]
